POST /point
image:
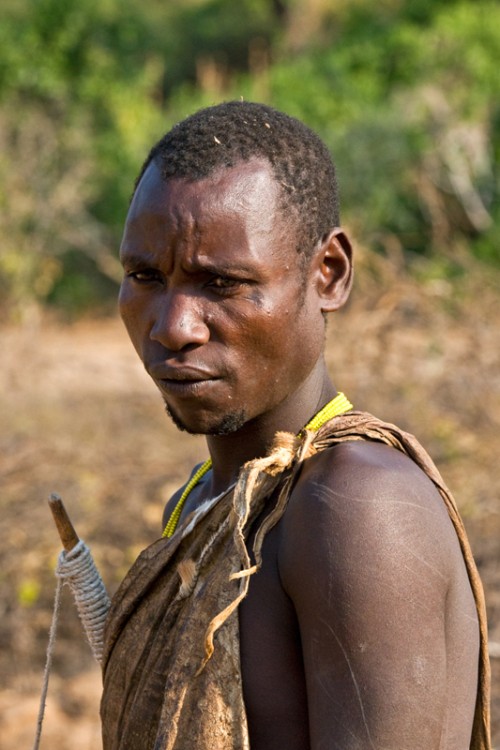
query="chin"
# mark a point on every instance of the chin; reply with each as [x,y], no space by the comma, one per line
[219,425]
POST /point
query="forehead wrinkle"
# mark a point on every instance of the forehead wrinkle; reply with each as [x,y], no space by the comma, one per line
[179,217]
[189,215]
[211,233]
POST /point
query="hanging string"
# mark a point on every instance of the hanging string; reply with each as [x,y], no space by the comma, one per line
[48,664]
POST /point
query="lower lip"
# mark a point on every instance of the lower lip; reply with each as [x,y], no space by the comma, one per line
[187,388]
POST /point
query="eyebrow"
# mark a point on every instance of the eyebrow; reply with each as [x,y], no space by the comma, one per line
[144,258]
[222,267]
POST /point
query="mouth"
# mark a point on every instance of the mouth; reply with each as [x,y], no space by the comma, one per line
[187,388]
[183,381]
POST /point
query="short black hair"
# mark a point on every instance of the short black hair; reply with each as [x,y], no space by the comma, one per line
[221,136]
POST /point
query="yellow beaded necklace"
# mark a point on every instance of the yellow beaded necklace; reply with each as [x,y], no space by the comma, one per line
[338,405]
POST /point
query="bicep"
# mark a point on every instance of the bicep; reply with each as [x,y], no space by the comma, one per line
[369,591]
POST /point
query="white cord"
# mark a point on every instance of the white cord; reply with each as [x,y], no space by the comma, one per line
[78,570]
[48,664]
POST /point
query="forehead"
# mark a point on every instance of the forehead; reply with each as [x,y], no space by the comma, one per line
[234,214]
[249,188]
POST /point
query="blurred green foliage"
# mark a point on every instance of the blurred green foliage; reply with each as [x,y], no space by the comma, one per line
[406,95]
[28,592]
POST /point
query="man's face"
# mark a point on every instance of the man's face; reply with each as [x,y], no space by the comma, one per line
[214,298]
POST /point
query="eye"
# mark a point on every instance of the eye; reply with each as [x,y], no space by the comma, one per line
[225,284]
[144,276]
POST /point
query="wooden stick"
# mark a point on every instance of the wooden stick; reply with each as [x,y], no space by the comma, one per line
[68,535]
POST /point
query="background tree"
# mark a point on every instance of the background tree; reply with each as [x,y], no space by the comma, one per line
[405,94]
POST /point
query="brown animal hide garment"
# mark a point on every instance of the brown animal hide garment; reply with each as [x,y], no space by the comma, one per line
[171,662]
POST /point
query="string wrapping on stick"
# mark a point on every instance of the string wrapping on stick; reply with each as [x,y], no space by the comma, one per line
[78,570]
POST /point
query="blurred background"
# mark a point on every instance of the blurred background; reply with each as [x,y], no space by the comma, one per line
[406,95]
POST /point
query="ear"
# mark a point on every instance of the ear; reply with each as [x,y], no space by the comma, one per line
[334,270]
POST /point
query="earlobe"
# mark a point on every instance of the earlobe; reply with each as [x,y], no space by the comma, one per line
[335,270]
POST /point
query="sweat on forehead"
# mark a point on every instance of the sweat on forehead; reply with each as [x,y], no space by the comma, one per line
[222,136]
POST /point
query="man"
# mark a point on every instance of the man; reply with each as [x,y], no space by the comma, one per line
[315,589]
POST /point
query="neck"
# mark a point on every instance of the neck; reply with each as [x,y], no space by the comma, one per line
[230,452]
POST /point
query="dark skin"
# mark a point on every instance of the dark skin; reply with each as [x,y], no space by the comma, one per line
[360,629]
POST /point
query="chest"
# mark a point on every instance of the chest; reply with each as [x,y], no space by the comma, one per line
[271,659]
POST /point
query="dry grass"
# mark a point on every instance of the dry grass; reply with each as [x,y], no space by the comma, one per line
[78,416]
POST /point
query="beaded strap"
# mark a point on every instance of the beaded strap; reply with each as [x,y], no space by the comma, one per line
[174,518]
[338,405]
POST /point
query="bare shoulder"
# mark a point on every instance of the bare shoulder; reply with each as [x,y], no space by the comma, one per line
[366,498]
[373,567]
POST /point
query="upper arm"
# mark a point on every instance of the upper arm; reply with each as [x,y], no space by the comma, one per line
[366,558]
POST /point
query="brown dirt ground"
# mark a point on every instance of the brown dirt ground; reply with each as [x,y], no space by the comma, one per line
[78,416]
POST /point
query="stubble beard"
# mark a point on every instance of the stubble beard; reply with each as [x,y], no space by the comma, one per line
[227,425]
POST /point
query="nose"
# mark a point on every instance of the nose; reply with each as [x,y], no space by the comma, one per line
[178,322]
